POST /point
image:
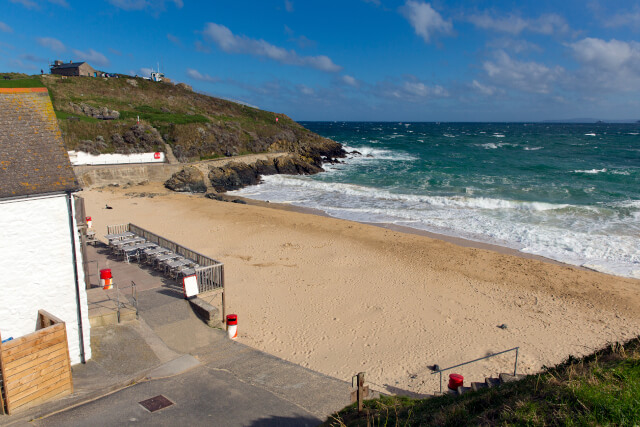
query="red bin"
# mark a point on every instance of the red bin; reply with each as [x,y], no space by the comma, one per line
[455,381]
[106,279]
[232,326]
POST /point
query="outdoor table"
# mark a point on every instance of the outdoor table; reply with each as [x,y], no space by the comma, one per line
[119,236]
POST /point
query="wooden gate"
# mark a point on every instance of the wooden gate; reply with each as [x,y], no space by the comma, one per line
[36,367]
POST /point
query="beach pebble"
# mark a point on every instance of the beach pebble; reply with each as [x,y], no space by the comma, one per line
[503,326]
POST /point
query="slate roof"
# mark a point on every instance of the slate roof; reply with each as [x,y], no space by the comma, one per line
[33,159]
[67,65]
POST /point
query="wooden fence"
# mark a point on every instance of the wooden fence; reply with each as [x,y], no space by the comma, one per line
[36,367]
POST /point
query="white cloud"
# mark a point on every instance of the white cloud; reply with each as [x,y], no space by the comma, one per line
[514,45]
[611,64]
[231,43]
[5,28]
[525,76]
[51,43]
[483,89]
[411,89]
[92,57]
[152,5]
[545,24]
[146,72]
[288,5]
[173,39]
[31,4]
[115,51]
[305,90]
[628,19]
[425,20]
[351,81]
[196,75]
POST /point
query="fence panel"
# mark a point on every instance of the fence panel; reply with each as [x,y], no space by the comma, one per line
[117,229]
[36,367]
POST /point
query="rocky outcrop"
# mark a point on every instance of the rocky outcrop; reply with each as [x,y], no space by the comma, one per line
[237,175]
[95,112]
[189,179]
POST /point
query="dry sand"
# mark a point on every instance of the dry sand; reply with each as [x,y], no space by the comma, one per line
[341,297]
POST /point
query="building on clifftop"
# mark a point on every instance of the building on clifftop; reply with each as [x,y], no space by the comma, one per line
[41,262]
[73,69]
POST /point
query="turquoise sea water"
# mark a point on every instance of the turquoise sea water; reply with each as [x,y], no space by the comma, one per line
[570,192]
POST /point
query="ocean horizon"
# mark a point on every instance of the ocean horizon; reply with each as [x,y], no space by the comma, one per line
[565,191]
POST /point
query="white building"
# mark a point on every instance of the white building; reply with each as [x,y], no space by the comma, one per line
[40,254]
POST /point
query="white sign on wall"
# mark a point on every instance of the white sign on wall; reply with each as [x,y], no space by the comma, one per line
[79,158]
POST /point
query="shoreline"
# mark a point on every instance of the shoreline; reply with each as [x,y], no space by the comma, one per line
[341,297]
[459,241]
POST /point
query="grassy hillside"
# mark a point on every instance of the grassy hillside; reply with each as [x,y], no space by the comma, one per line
[600,389]
[196,126]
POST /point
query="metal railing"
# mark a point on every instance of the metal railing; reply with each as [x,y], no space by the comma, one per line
[117,229]
[210,277]
[210,273]
[515,366]
[134,297]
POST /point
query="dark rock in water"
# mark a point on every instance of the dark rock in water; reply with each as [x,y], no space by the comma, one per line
[295,165]
[246,173]
[265,167]
[355,152]
[242,202]
[214,196]
[189,179]
[233,176]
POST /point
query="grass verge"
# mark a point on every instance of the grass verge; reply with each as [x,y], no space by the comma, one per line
[600,389]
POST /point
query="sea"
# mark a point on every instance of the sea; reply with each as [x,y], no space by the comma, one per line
[569,192]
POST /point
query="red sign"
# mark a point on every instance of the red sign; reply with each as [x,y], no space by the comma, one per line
[156,155]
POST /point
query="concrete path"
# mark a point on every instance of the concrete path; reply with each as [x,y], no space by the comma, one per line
[170,351]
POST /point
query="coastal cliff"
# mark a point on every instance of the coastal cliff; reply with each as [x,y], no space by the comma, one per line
[132,115]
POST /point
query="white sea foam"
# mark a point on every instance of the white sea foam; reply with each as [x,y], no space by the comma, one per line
[532,148]
[574,234]
[498,135]
[448,135]
[369,153]
[591,171]
[589,134]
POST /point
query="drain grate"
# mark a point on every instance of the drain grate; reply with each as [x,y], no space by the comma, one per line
[156,403]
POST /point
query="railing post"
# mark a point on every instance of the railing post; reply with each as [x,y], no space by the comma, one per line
[440,382]
[224,300]
[515,366]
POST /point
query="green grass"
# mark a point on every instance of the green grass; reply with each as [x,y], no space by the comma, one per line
[600,389]
[157,116]
[63,115]
[21,83]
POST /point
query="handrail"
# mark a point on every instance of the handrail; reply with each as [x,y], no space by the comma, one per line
[515,367]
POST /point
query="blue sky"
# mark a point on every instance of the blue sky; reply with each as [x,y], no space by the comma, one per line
[355,59]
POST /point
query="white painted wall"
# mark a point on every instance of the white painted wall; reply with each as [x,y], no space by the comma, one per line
[81,158]
[36,269]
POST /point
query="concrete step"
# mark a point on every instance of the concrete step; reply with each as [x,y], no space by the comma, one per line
[110,317]
[475,386]
[506,378]
[492,382]
[462,390]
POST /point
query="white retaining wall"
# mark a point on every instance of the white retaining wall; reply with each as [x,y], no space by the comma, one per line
[81,158]
[36,269]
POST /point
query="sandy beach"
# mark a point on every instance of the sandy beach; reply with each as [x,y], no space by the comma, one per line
[342,297]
